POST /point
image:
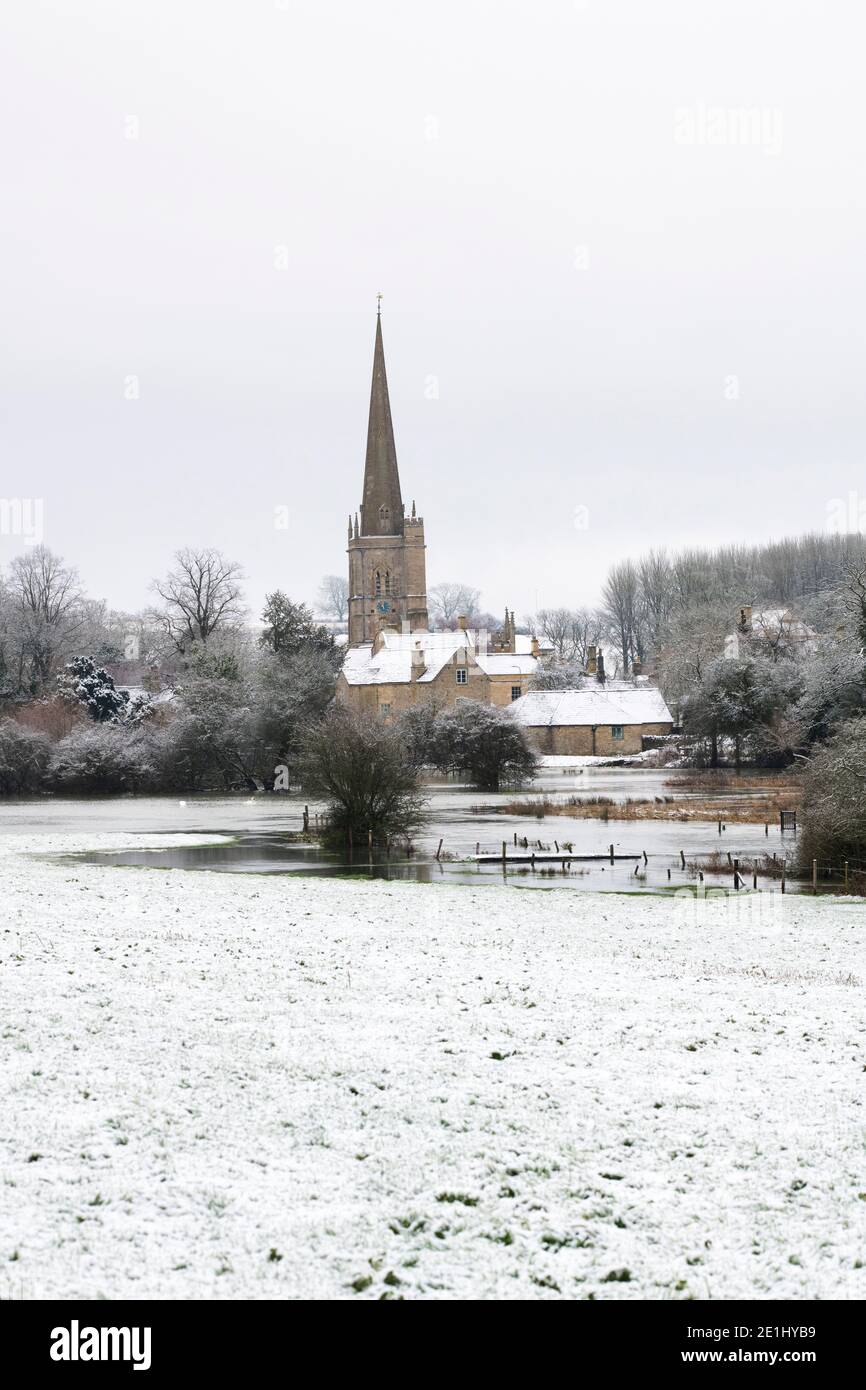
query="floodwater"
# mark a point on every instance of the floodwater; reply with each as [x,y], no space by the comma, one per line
[648,854]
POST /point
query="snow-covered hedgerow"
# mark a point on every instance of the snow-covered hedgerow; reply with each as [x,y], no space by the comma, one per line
[101,758]
[24,756]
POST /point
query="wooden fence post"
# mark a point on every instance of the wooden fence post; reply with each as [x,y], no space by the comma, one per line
[814,875]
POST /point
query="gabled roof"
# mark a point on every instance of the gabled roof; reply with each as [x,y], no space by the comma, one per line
[615,702]
[392,663]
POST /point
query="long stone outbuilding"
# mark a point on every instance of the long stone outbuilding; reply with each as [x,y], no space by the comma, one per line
[607,718]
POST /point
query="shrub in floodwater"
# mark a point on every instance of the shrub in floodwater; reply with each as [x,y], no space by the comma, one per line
[357,764]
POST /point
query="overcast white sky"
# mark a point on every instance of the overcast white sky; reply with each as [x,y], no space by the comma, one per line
[576,250]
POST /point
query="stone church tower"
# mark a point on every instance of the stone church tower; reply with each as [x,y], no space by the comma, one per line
[387,568]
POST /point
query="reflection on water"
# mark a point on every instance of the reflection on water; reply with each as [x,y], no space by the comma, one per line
[256,854]
[634,869]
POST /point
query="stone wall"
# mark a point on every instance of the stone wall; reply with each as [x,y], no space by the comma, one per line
[576,740]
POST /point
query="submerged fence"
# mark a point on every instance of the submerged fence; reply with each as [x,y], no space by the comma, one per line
[523,853]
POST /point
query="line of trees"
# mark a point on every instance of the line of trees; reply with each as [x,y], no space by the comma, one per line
[229,706]
[224,704]
[662,600]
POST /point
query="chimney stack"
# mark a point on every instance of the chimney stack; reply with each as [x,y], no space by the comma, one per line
[599,675]
[591,661]
[636,666]
[746,618]
[462,622]
[534,646]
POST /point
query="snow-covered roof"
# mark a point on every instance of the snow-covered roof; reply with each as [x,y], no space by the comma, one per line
[507,664]
[615,702]
[773,620]
[773,624]
[430,652]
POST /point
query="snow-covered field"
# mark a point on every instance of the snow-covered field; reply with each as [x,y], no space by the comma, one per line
[226,1086]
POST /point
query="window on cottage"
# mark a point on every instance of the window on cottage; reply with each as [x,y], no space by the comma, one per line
[516,692]
[462,675]
[616,731]
[385,710]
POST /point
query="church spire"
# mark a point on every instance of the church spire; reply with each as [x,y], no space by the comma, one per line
[382,507]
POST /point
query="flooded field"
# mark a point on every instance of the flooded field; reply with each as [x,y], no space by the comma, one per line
[570,851]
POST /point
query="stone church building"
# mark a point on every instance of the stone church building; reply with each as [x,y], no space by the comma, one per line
[387,567]
[393,660]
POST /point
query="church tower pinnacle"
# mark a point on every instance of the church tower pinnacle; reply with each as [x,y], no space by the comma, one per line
[387,570]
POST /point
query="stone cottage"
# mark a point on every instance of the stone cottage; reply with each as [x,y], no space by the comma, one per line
[594,719]
[401,669]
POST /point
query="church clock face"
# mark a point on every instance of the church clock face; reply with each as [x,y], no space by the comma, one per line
[383,606]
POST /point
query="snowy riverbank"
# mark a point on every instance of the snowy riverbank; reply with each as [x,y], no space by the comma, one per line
[239,1086]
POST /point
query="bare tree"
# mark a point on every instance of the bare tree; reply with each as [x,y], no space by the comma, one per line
[359,764]
[47,613]
[695,639]
[448,602]
[569,631]
[334,596]
[201,594]
[557,626]
[854,597]
[623,608]
[656,587]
